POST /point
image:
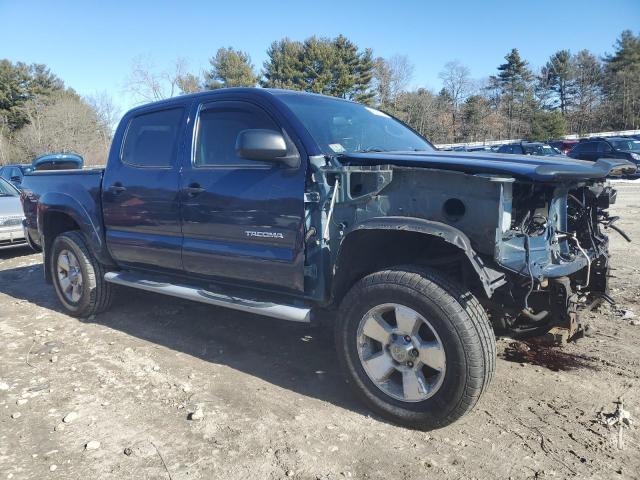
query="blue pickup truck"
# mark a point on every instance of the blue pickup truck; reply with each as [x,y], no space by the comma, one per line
[306,208]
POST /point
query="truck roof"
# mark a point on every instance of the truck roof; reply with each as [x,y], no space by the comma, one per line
[257,91]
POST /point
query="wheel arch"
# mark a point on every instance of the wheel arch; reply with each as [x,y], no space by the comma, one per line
[380,243]
[59,213]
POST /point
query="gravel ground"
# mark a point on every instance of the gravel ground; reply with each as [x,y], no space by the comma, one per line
[162,388]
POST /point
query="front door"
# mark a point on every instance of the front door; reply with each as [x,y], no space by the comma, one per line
[242,220]
[140,192]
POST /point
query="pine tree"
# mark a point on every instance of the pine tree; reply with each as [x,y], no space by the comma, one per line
[558,76]
[622,87]
[283,69]
[547,126]
[514,82]
[230,68]
[587,92]
[321,65]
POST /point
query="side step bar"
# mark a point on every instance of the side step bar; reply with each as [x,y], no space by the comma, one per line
[284,312]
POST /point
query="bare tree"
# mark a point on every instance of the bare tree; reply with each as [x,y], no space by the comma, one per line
[457,83]
[63,122]
[391,78]
[108,112]
[148,84]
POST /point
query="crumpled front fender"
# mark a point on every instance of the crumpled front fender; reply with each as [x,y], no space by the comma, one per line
[490,278]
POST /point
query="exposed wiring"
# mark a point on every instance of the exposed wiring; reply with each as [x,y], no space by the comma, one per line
[572,236]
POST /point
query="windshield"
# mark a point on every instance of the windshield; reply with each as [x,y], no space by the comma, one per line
[626,145]
[541,150]
[7,190]
[339,126]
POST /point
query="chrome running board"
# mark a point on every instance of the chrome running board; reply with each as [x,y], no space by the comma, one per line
[219,299]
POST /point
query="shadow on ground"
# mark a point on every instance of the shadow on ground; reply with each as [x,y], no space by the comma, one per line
[293,356]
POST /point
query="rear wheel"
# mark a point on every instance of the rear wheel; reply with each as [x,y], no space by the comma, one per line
[78,276]
[417,348]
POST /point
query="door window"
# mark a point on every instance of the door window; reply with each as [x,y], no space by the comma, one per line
[217,131]
[151,139]
[604,147]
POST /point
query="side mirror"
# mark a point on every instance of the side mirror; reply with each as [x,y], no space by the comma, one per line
[264,145]
[16,179]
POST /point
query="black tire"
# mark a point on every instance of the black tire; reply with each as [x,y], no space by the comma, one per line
[458,319]
[96,293]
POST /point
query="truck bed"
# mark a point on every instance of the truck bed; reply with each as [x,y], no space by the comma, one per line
[67,190]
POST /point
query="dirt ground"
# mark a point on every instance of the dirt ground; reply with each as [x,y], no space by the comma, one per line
[274,404]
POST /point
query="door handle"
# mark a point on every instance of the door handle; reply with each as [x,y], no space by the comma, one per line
[116,188]
[194,189]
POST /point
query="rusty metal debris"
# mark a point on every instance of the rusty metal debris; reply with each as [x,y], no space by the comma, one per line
[620,418]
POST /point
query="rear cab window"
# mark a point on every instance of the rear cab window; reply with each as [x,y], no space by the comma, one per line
[151,139]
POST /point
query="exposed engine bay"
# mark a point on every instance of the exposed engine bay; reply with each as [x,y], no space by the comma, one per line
[538,251]
[557,248]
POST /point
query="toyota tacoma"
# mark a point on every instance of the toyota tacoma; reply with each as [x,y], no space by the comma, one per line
[306,208]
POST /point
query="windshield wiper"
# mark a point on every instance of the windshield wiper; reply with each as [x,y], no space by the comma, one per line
[370,150]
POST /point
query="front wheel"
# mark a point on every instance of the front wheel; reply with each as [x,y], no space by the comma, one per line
[78,276]
[418,348]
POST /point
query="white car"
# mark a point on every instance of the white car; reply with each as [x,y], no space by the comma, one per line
[11,216]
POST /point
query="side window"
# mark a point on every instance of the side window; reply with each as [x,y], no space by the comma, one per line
[4,172]
[590,147]
[604,147]
[217,131]
[151,139]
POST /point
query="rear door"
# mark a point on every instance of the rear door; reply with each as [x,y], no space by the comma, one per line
[606,151]
[590,151]
[242,219]
[141,207]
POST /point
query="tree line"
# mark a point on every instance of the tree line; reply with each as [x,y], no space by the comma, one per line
[571,93]
[39,114]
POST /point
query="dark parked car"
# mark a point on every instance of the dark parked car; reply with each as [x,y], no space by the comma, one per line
[15,173]
[530,148]
[481,148]
[305,207]
[611,147]
[564,146]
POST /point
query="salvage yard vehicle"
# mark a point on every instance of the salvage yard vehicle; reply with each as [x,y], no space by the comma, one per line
[607,147]
[11,216]
[530,148]
[15,173]
[306,208]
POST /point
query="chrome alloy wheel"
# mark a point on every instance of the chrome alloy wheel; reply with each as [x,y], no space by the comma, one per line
[401,352]
[69,276]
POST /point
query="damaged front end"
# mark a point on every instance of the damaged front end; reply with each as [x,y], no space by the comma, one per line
[528,239]
[552,241]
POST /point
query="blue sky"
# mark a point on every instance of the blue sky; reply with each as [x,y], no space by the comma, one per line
[91,44]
